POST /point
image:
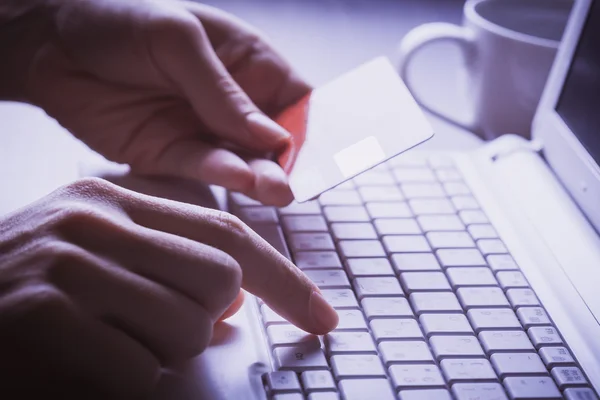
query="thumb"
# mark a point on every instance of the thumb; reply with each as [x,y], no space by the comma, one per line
[182,51]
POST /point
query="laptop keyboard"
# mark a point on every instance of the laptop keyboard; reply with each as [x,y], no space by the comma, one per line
[431,303]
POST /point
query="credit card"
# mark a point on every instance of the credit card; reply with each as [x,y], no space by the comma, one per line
[347,126]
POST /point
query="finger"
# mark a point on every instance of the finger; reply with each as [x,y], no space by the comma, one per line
[193,159]
[182,51]
[166,322]
[237,55]
[234,307]
[271,184]
[205,275]
[63,351]
[266,273]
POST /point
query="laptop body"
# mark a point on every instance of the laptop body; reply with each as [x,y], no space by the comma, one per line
[530,209]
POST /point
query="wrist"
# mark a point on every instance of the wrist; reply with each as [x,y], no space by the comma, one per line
[25,27]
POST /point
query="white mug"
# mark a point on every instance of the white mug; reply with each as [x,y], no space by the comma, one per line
[508,48]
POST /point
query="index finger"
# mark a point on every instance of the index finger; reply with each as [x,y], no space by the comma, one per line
[266,272]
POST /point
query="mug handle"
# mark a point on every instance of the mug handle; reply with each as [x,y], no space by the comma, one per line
[423,35]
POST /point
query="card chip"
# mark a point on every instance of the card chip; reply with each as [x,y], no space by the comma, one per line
[360,156]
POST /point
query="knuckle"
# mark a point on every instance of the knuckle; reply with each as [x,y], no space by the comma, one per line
[175,27]
[75,215]
[230,225]
[45,300]
[89,187]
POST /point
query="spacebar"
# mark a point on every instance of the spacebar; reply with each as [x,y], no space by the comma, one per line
[274,235]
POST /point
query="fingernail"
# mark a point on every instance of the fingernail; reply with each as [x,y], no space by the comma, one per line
[265,129]
[322,313]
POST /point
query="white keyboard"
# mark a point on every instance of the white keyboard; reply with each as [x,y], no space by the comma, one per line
[431,304]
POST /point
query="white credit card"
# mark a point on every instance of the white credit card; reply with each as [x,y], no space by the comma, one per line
[348,126]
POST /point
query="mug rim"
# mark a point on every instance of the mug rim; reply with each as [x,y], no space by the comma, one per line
[500,30]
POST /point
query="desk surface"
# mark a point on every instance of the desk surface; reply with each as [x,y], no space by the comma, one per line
[322,38]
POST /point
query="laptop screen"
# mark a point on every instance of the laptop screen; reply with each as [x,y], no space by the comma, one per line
[579,102]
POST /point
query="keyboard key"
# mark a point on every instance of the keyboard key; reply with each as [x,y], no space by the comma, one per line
[427,394]
[450,240]
[467,370]
[324,396]
[511,279]
[491,246]
[270,317]
[351,320]
[440,161]
[304,223]
[388,329]
[465,203]
[307,208]
[580,394]
[455,324]
[357,366]
[415,262]
[505,341]
[317,259]
[403,175]
[406,244]
[311,241]
[318,380]
[448,175]
[377,286]
[522,297]
[300,358]
[349,342]
[470,217]
[461,258]
[243,200]
[416,376]
[470,276]
[340,198]
[405,351]
[478,391]
[510,364]
[328,278]
[397,226]
[361,248]
[424,281]
[539,387]
[285,335]
[471,297]
[493,318]
[423,190]
[389,210]
[347,185]
[258,215]
[340,298]
[374,178]
[568,376]
[544,335]
[273,234]
[456,188]
[533,316]
[434,302]
[288,396]
[482,231]
[358,267]
[360,389]
[455,346]
[435,223]
[353,230]
[380,193]
[386,307]
[346,214]
[282,381]
[431,206]
[556,356]
[502,262]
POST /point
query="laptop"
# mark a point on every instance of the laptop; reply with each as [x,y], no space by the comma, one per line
[456,276]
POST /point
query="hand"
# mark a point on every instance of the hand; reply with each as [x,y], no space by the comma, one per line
[169,87]
[101,286]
